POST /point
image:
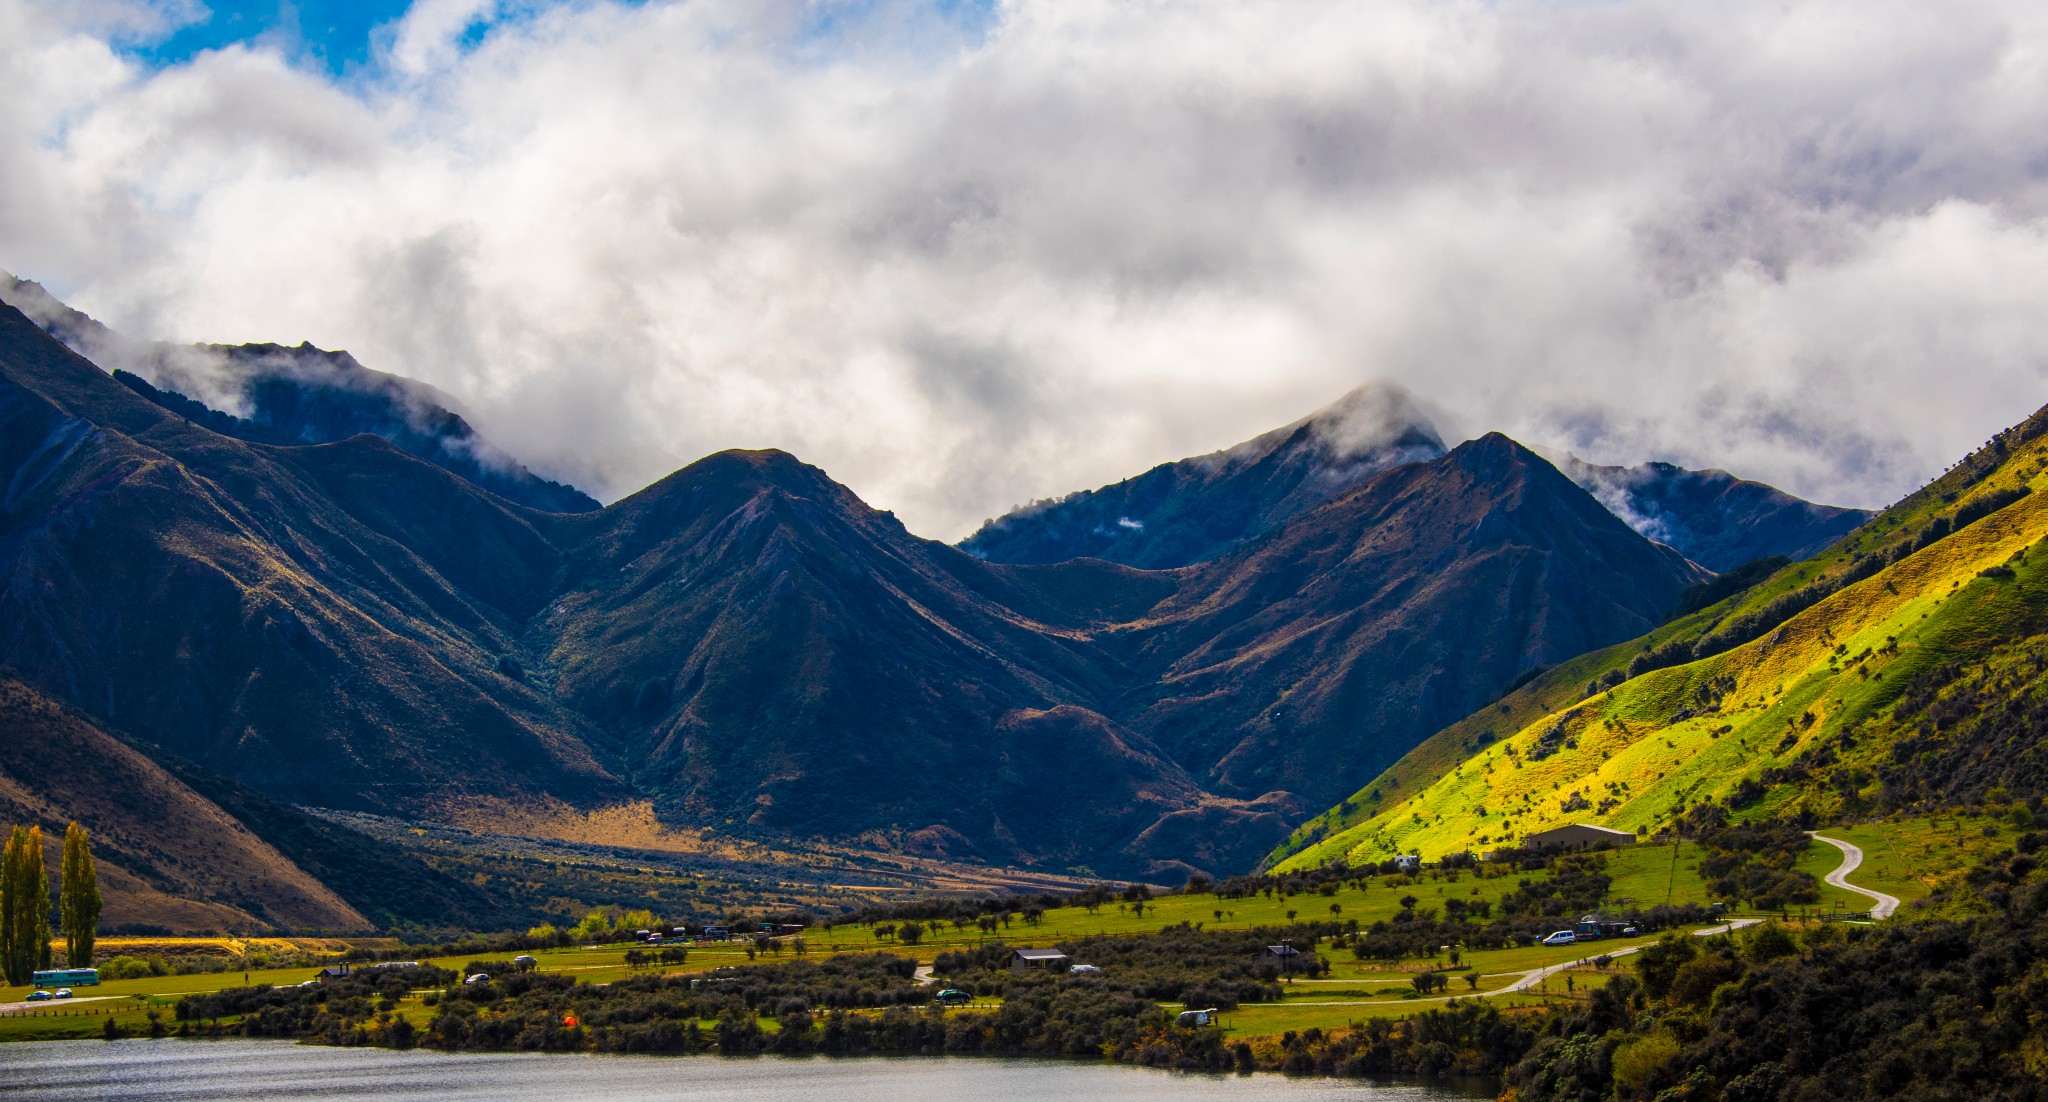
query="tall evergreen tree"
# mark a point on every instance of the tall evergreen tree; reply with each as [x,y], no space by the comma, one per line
[80,902]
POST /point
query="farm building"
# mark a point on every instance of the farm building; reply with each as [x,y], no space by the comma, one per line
[1578,836]
[1049,959]
[1286,957]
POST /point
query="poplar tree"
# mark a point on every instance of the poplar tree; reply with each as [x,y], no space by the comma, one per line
[80,901]
[33,916]
[25,930]
[10,882]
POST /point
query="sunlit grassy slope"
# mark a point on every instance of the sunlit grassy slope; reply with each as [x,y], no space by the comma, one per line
[1806,714]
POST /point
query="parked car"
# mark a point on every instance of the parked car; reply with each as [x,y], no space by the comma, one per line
[61,993]
[480,977]
[1562,937]
[953,997]
[1084,970]
[38,997]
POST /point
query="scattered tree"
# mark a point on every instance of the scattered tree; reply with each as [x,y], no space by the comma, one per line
[80,905]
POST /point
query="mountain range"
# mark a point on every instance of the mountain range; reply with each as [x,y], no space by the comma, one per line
[1197,509]
[277,622]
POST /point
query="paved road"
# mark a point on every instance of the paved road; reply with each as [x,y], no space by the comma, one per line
[1532,978]
[1882,905]
[53,1004]
[1528,979]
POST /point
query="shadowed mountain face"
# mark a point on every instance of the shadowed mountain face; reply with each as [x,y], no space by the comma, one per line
[1714,518]
[1198,509]
[326,623]
[777,655]
[1311,660]
[272,394]
[185,850]
[167,856]
[753,648]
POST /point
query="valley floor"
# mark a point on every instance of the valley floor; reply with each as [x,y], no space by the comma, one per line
[1352,991]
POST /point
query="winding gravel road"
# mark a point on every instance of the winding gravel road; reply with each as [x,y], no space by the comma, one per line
[1881,905]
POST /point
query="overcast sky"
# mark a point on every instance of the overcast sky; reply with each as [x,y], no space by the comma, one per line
[963,257]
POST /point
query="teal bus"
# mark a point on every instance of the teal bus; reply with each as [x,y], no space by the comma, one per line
[67,977]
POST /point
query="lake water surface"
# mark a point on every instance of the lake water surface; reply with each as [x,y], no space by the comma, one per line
[249,1071]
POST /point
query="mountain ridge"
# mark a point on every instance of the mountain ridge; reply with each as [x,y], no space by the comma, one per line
[277,394]
[1197,509]
[1718,520]
[750,646]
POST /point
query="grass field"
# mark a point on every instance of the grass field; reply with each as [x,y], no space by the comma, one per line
[1355,989]
[1906,857]
[1643,876]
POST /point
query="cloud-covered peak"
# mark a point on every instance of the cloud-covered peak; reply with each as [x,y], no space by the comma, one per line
[1372,417]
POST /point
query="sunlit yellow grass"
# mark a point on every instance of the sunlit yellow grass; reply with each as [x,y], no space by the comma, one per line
[1796,685]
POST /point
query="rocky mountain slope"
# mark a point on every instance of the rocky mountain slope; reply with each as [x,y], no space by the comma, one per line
[1901,668]
[1352,633]
[328,623]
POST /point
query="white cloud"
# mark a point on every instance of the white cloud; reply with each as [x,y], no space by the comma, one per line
[1802,241]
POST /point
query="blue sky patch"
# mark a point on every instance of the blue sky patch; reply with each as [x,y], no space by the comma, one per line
[336,33]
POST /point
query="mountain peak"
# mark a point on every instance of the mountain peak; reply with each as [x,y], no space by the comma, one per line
[1494,456]
[1202,507]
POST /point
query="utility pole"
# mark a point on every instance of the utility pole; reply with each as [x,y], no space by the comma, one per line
[1671,881]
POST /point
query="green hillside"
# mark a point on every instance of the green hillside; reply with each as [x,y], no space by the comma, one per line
[1902,668]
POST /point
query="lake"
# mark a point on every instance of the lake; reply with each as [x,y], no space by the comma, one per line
[260,1071]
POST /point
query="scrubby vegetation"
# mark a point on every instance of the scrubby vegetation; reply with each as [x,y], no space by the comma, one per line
[1935,1008]
[1753,862]
[352,1010]
[1174,965]
[854,1003]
